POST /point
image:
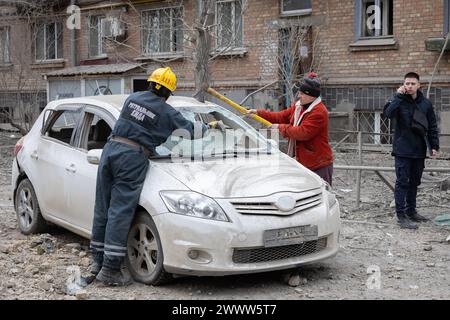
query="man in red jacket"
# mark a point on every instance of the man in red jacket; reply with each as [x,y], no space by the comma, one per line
[305,124]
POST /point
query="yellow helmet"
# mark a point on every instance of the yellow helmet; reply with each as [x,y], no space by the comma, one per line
[164,77]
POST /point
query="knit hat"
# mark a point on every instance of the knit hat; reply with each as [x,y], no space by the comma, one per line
[311,85]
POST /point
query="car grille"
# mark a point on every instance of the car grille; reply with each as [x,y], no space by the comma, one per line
[304,201]
[256,255]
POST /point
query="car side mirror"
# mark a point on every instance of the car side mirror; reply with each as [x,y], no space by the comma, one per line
[93,156]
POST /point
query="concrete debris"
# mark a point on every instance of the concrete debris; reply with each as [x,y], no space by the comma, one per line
[73,246]
[81,295]
[294,280]
[431,264]
[5,249]
[427,248]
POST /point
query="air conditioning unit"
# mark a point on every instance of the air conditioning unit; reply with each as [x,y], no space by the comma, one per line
[112,27]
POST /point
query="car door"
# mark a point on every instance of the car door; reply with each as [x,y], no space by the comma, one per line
[50,158]
[96,126]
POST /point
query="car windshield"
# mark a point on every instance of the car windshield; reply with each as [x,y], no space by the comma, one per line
[235,138]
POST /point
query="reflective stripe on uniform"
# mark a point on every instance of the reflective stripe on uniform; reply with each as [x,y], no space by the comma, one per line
[108,246]
[110,253]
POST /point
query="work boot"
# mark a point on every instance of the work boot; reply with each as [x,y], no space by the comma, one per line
[111,277]
[95,268]
[417,217]
[405,223]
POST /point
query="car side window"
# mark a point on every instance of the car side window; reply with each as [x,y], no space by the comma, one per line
[96,132]
[62,125]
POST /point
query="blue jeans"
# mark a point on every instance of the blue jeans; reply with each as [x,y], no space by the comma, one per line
[409,173]
[120,178]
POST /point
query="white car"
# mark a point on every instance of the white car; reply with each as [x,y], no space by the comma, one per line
[229,203]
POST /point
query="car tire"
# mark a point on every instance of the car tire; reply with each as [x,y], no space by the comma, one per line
[144,252]
[29,217]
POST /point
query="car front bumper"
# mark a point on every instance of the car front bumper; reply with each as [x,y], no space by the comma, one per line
[213,248]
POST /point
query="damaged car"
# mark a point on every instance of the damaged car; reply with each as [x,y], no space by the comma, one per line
[227,203]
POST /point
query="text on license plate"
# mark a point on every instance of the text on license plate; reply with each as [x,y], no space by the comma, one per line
[288,236]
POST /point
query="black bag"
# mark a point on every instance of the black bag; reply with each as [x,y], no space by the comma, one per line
[419,124]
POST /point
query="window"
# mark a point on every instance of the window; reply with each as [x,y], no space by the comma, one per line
[162,30]
[96,45]
[49,41]
[98,131]
[62,125]
[375,18]
[4,45]
[5,114]
[295,7]
[229,24]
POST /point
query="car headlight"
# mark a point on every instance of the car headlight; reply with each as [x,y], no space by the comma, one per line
[193,204]
[331,198]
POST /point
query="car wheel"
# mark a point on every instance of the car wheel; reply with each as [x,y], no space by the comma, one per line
[145,256]
[29,216]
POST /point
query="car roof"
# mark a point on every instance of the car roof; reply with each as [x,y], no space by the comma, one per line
[117,101]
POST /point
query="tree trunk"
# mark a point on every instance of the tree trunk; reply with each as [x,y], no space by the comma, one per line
[202,49]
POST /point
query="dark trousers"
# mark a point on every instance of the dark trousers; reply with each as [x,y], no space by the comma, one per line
[326,173]
[409,173]
[120,178]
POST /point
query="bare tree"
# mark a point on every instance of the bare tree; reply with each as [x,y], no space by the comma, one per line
[20,86]
[297,55]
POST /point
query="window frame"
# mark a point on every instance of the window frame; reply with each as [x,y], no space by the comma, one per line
[59,52]
[54,115]
[217,37]
[145,31]
[88,114]
[6,47]
[101,50]
[289,13]
[360,23]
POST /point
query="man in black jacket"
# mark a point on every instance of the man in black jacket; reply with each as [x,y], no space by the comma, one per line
[415,128]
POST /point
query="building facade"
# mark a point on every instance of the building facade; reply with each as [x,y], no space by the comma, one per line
[360,48]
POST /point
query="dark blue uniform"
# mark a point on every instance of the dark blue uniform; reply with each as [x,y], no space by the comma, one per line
[409,148]
[147,120]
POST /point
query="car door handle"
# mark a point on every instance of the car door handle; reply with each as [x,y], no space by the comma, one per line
[71,168]
[34,155]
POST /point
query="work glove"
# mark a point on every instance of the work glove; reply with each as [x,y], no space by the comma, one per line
[217,125]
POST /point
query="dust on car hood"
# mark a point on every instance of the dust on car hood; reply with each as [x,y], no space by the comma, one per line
[253,176]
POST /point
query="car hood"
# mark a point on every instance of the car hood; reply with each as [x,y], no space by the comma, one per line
[254,176]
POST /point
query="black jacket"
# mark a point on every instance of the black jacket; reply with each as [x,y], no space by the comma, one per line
[407,143]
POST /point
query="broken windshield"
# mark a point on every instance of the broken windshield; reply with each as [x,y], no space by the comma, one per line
[235,136]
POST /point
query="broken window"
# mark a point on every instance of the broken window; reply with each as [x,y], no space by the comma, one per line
[49,41]
[4,45]
[62,125]
[376,18]
[295,7]
[96,45]
[229,24]
[162,30]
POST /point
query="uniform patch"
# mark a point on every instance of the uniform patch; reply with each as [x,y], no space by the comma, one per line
[139,114]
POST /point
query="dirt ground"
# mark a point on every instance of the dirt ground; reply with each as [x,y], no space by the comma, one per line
[377,259]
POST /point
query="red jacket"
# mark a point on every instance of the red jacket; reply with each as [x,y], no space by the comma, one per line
[311,134]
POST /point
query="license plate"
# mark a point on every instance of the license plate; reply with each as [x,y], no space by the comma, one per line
[288,236]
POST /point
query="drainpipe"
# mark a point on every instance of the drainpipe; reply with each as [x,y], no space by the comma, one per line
[73,45]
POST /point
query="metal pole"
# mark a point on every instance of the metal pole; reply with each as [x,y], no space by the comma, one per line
[376,168]
[358,175]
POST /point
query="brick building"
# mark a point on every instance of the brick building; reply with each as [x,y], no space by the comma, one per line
[360,48]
